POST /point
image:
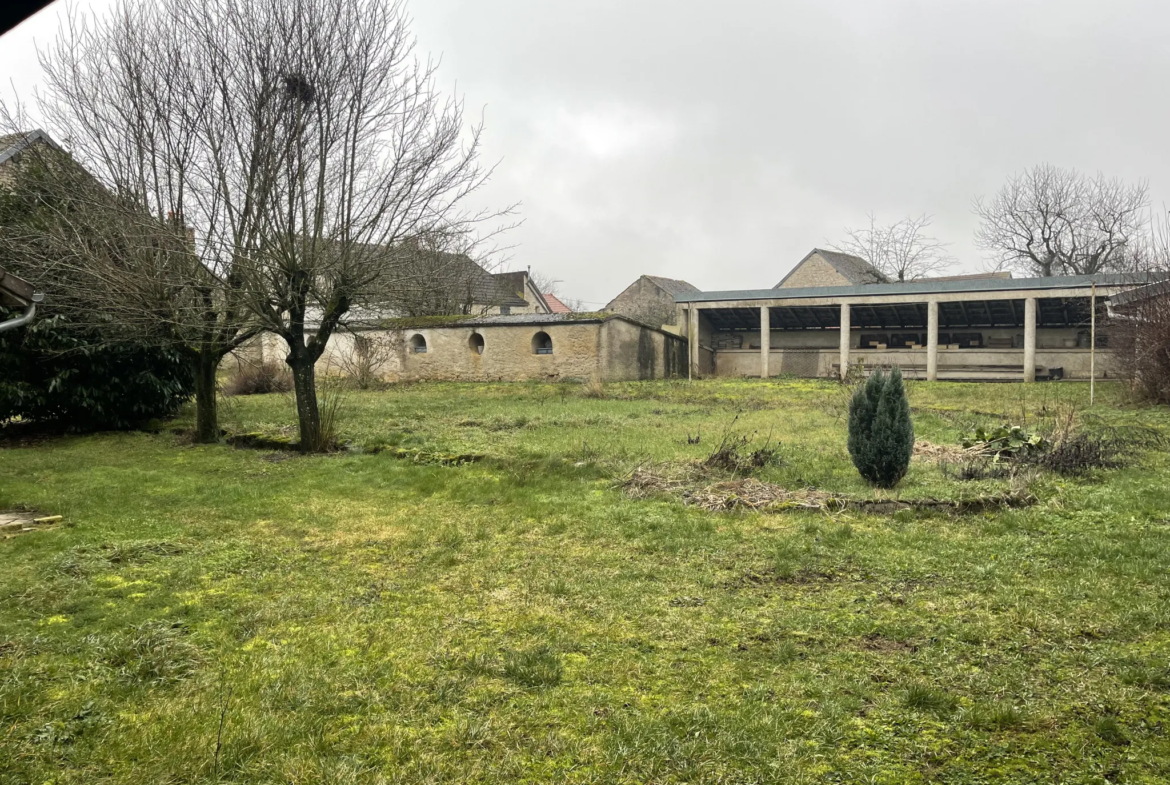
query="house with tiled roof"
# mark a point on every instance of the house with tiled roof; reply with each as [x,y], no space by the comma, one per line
[830,268]
[555,305]
[650,300]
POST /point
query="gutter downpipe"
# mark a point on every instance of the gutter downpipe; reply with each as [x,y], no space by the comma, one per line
[29,314]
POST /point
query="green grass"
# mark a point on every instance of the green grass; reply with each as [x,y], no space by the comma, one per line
[366,618]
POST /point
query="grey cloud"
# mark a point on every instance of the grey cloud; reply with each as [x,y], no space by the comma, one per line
[719,141]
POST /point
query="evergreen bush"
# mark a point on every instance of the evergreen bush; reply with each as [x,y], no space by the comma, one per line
[59,373]
[881,435]
[74,366]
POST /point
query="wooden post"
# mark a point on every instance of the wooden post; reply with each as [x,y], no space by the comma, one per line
[1092,343]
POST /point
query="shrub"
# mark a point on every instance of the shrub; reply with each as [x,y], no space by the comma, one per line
[58,372]
[1006,441]
[1140,342]
[735,453]
[269,377]
[881,435]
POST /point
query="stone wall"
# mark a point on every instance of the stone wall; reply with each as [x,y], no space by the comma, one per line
[644,301]
[631,351]
[815,271]
[810,363]
[612,350]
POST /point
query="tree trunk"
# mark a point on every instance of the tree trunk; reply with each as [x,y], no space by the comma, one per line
[308,416]
[206,416]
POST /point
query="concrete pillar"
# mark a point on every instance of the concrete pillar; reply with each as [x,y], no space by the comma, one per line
[932,341]
[1030,339]
[844,340]
[693,339]
[765,339]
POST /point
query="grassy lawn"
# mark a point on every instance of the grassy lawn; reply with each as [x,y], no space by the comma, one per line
[211,614]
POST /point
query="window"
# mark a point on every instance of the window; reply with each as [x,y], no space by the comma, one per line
[541,343]
[505,310]
[418,344]
[475,343]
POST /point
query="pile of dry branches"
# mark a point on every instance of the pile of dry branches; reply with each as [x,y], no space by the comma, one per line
[691,484]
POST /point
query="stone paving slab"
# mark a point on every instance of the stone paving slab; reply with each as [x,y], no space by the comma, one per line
[16,521]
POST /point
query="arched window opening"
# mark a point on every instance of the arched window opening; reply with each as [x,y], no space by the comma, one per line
[541,343]
[418,344]
[475,343]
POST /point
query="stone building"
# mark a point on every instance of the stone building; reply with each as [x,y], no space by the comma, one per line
[650,300]
[517,347]
[831,268]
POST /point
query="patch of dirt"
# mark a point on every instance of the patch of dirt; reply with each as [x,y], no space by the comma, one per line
[805,576]
[30,434]
[875,641]
[687,484]
[692,485]
[423,456]
[260,441]
[940,453]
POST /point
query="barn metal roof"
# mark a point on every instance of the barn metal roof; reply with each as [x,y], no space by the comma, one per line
[921,287]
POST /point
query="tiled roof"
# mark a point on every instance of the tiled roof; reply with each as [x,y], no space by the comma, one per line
[672,285]
[11,144]
[555,305]
[485,288]
[852,268]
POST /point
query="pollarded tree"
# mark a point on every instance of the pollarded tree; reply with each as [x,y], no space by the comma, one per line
[1050,221]
[327,130]
[285,151]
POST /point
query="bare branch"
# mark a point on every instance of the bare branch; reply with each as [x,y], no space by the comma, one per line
[901,251]
[1052,221]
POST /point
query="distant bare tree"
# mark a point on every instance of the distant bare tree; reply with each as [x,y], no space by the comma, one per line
[549,285]
[439,275]
[901,251]
[295,148]
[1052,221]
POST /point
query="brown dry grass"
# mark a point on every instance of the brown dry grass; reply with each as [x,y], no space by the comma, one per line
[694,486]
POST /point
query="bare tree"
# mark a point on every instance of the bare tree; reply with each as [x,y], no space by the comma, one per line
[363,361]
[335,135]
[122,92]
[438,275]
[900,251]
[1052,221]
[549,285]
[294,147]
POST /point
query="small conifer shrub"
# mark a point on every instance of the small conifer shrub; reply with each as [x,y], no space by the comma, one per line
[881,435]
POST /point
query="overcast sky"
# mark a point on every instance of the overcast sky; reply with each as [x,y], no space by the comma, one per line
[719,142]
